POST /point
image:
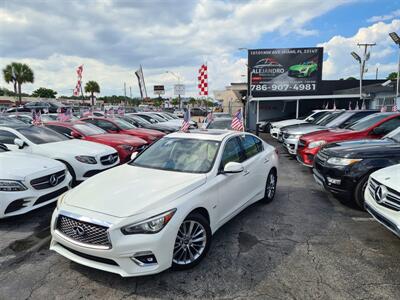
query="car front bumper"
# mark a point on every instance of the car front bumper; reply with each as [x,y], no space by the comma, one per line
[275,132]
[17,203]
[386,216]
[120,258]
[291,145]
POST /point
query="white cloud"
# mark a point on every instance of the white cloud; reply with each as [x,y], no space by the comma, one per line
[340,64]
[387,17]
[111,38]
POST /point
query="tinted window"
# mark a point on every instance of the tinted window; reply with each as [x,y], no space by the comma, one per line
[62,130]
[259,144]
[41,135]
[7,137]
[88,129]
[124,124]
[318,116]
[105,125]
[220,124]
[232,152]
[390,125]
[328,118]
[249,146]
[367,122]
[355,118]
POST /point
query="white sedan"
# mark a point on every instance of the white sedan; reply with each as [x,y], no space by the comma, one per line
[28,182]
[82,158]
[161,209]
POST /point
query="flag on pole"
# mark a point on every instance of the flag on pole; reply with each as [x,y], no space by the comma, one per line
[203,80]
[237,121]
[334,105]
[383,108]
[186,121]
[363,106]
[36,117]
[121,111]
[78,86]
[357,107]
[142,85]
[327,105]
[394,108]
[350,106]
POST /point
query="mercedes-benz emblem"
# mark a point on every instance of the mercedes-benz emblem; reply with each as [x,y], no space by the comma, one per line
[79,230]
[53,180]
[380,194]
[111,158]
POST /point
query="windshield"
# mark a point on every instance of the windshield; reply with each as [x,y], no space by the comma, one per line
[366,122]
[220,124]
[88,129]
[124,124]
[319,116]
[141,121]
[180,155]
[167,117]
[41,135]
[157,117]
[394,135]
[328,118]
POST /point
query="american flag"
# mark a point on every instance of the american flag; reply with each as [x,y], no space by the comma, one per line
[363,106]
[203,80]
[36,117]
[78,86]
[186,121]
[350,106]
[383,108]
[394,108]
[334,105]
[237,121]
[121,111]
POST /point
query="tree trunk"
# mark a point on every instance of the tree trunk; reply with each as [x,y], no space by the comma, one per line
[92,99]
[19,93]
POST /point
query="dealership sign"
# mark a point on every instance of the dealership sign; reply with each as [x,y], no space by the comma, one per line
[294,70]
[159,90]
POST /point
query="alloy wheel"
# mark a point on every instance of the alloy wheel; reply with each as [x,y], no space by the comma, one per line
[271,185]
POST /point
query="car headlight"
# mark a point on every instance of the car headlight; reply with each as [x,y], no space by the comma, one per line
[151,225]
[127,147]
[316,144]
[12,186]
[61,200]
[339,161]
[294,136]
[86,159]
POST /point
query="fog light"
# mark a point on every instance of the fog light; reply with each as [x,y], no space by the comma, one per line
[333,181]
[146,258]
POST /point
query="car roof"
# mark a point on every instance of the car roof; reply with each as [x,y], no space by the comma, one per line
[209,134]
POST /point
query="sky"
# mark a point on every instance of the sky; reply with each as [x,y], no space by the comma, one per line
[112,38]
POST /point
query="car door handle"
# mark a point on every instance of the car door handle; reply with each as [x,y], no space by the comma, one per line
[246,172]
[266,160]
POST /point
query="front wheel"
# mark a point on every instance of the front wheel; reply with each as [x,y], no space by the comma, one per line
[359,191]
[192,242]
[270,187]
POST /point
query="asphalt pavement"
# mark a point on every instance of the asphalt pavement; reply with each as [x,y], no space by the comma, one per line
[304,245]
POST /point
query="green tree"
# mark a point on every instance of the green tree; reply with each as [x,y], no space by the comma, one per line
[92,87]
[192,101]
[392,76]
[351,78]
[175,102]
[44,93]
[17,74]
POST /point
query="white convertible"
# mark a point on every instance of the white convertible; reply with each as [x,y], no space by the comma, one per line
[28,182]
[161,209]
[82,158]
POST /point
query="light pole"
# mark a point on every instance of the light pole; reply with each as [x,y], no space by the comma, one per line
[248,90]
[396,40]
[179,82]
[358,58]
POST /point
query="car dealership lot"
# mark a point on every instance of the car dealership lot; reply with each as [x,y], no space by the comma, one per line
[305,244]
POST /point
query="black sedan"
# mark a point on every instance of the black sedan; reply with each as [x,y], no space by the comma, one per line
[343,167]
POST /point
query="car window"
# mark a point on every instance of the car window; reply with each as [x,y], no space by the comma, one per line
[249,145]
[258,143]
[88,129]
[232,152]
[41,135]
[389,125]
[60,129]
[354,118]
[367,122]
[7,137]
[105,125]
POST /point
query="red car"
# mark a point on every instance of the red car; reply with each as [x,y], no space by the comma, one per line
[116,125]
[372,127]
[124,144]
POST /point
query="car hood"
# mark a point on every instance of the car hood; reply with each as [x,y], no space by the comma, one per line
[363,149]
[18,165]
[152,132]
[128,190]
[389,177]
[297,67]
[307,128]
[281,124]
[327,135]
[117,139]
[75,147]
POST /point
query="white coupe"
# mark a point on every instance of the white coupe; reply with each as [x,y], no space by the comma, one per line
[82,158]
[161,209]
[28,182]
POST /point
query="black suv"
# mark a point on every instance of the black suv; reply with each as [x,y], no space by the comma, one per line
[343,167]
[52,107]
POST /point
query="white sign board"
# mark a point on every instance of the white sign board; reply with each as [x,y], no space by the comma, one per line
[179,89]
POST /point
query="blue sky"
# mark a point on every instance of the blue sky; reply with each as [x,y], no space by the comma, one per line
[111,38]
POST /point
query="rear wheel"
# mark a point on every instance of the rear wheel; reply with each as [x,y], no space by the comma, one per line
[359,191]
[270,187]
[192,242]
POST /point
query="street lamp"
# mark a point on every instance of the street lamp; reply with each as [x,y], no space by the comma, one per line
[179,82]
[358,58]
[396,40]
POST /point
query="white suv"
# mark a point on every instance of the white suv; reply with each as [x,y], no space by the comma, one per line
[82,158]
[382,197]
[28,182]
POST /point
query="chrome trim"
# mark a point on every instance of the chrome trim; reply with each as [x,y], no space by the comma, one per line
[139,263]
[72,241]
[84,218]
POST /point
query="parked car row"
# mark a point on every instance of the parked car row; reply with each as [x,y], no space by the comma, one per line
[354,155]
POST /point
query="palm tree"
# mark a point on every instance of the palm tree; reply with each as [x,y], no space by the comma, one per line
[92,87]
[17,74]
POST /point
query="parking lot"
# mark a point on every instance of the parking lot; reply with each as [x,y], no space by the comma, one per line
[303,245]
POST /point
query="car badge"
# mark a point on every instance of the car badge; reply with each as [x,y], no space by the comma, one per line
[380,194]
[53,180]
[78,230]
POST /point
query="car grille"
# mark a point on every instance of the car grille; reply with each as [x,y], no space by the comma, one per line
[83,232]
[392,199]
[322,158]
[48,181]
[109,159]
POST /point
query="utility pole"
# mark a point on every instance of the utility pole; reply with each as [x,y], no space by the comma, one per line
[376,73]
[125,90]
[130,92]
[362,65]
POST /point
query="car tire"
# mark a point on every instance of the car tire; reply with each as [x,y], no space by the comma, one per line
[359,191]
[185,250]
[270,187]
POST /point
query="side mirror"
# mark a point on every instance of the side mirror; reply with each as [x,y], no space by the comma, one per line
[233,167]
[20,143]
[133,155]
[378,131]
[310,119]
[75,135]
